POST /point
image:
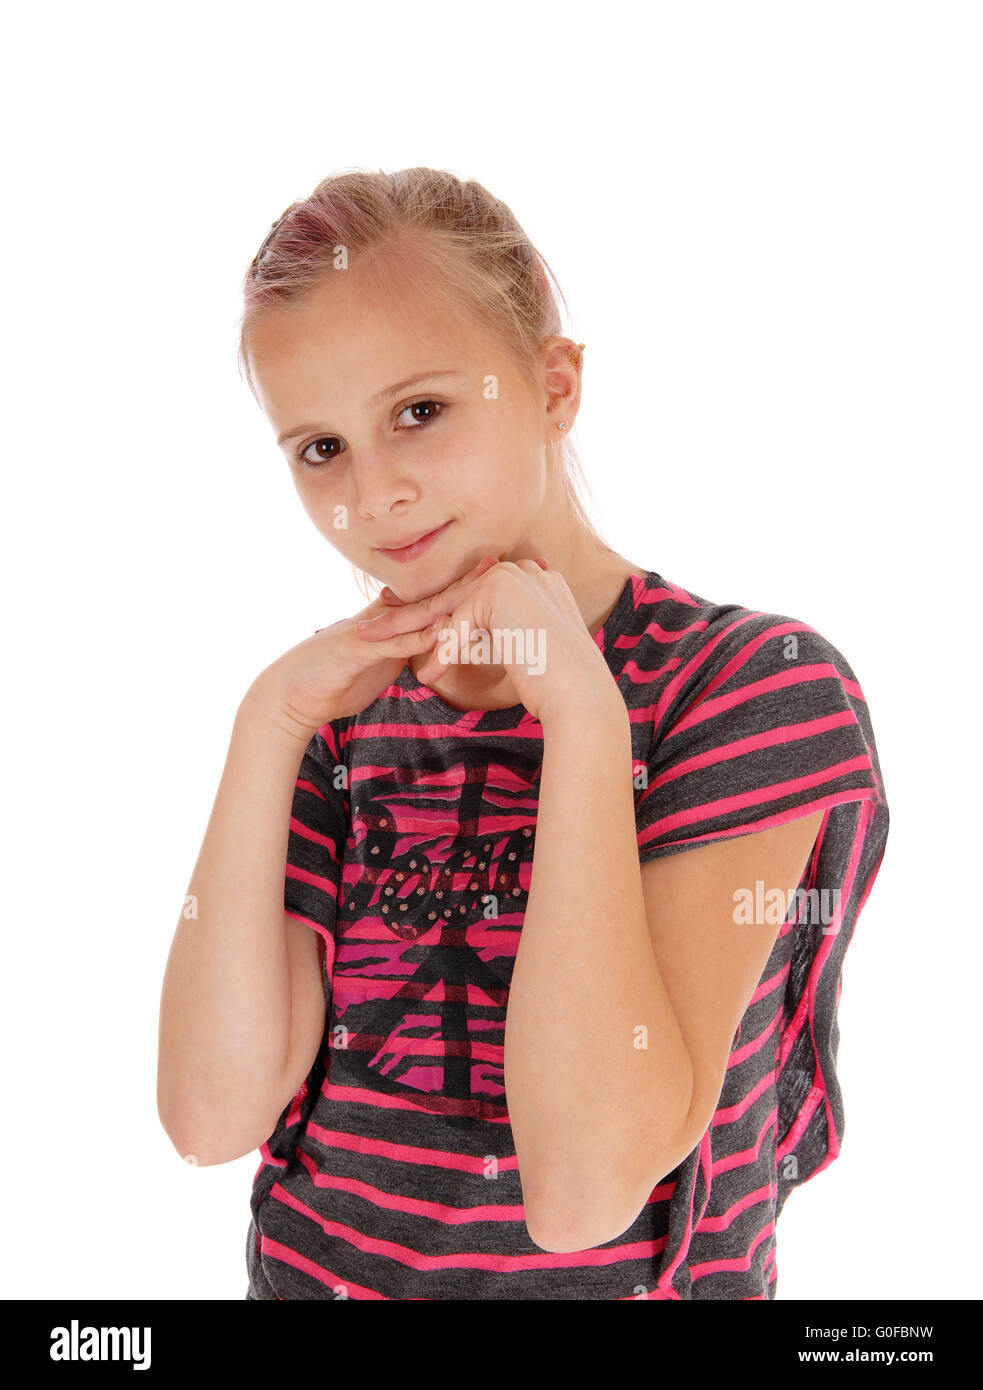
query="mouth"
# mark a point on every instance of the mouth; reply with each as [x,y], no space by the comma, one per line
[416,546]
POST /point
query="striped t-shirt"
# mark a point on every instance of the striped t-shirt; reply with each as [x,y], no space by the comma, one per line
[392,1172]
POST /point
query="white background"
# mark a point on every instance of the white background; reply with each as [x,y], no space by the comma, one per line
[766,219]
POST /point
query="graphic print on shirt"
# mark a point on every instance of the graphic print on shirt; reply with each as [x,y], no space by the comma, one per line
[427,932]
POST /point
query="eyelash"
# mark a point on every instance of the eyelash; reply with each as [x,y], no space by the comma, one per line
[419,425]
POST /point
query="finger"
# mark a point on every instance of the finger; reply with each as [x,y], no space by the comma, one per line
[393,620]
[390,620]
[433,668]
[405,644]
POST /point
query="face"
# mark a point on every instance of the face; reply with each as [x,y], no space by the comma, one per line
[464,454]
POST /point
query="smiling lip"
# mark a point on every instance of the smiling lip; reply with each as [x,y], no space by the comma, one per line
[413,548]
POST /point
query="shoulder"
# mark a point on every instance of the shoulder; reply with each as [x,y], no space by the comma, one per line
[679,646]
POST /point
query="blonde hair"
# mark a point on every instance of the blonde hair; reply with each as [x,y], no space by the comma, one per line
[483,266]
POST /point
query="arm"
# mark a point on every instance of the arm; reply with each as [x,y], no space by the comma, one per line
[628,986]
[226,1064]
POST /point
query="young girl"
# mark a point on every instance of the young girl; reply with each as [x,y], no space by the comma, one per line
[573,855]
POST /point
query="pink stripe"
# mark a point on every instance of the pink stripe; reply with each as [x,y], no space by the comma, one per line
[753,1045]
[700,658]
[326,885]
[642,676]
[702,710]
[743,1158]
[807,1008]
[740,1265]
[806,1111]
[724,1219]
[725,752]
[655,632]
[357,990]
[644,593]
[382,1101]
[727,1114]
[779,818]
[776,981]
[702,1167]
[405,1153]
[806,1005]
[416,1259]
[299,828]
[741,658]
[435,1211]
[269,1160]
[327,733]
[773,792]
[526,728]
[272,1249]
[449,780]
[868,815]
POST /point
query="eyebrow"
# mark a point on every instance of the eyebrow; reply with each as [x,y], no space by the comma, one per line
[377,399]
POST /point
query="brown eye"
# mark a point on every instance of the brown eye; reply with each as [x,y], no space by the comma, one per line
[319,458]
[429,419]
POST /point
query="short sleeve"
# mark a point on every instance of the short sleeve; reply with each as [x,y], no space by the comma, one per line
[763,722]
[319,823]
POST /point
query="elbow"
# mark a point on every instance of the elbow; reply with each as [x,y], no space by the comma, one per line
[584,1220]
[565,1239]
[193,1147]
[205,1133]
[560,1233]
[203,1148]
[200,1152]
[554,1241]
[187,1141]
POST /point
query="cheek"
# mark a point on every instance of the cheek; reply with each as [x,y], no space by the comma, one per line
[488,455]
[330,514]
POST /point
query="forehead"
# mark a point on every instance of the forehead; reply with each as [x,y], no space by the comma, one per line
[353,335]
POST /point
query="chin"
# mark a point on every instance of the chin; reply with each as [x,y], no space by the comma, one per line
[417,586]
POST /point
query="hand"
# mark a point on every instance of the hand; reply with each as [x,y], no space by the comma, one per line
[334,673]
[552,660]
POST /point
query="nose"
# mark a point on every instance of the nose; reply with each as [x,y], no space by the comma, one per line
[380,484]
